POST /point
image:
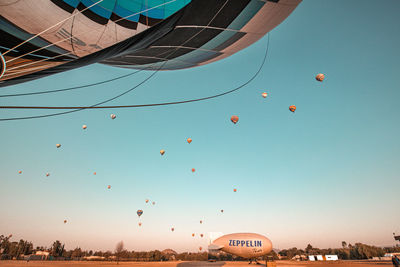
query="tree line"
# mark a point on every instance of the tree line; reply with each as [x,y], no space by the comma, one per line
[17,250]
[358,251]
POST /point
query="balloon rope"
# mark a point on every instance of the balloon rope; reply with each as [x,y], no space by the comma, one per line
[58,23]
[134,106]
[76,87]
[151,104]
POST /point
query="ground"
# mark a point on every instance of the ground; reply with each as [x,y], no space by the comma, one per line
[189,264]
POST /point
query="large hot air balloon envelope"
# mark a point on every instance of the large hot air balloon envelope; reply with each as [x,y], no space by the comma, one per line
[189,140]
[40,38]
[162,152]
[139,212]
[292,108]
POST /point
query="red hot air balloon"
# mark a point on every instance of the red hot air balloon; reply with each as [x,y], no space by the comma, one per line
[113,116]
[193,235]
[264,94]
[201,235]
[234,190]
[320,77]
[153,203]
[94,173]
[65,221]
[193,169]
[47,174]
[84,127]
[172,229]
[162,152]
[140,224]
[201,221]
[292,108]
[189,140]
[109,186]
[147,201]
[19,172]
[200,248]
[234,119]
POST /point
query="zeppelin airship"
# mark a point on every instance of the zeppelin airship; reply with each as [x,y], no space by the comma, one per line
[245,245]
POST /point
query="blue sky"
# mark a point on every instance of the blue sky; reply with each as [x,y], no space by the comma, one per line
[327,173]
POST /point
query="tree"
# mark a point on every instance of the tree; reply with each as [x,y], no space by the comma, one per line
[57,249]
[118,249]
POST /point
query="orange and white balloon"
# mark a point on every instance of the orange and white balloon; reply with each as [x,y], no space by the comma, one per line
[320,77]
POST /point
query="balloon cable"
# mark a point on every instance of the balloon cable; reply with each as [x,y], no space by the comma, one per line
[98,105]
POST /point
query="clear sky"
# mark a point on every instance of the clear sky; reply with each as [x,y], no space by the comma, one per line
[327,173]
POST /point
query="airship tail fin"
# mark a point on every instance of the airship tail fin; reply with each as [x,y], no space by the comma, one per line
[214,247]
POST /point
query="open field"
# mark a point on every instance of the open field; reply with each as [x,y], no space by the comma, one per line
[189,264]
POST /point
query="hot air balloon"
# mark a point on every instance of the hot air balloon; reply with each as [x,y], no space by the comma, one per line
[264,94]
[147,201]
[66,34]
[162,152]
[58,145]
[234,190]
[113,116]
[189,140]
[153,203]
[84,127]
[65,221]
[201,221]
[222,211]
[47,174]
[320,77]
[140,224]
[139,212]
[201,235]
[193,235]
[19,172]
[234,119]
[200,248]
[94,173]
[193,169]
[109,186]
[172,229]
[292,108]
